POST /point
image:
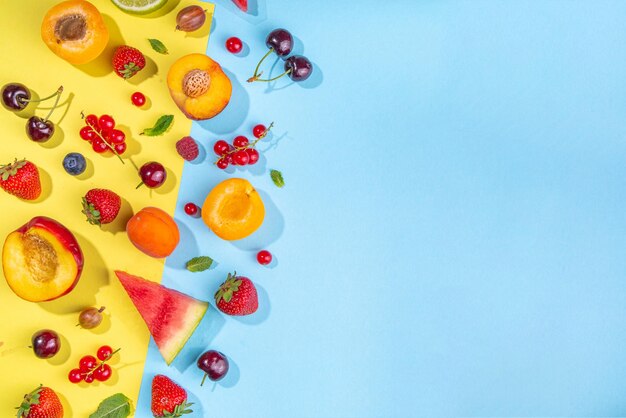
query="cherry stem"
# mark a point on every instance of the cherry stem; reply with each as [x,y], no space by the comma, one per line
[203,379]
[139,185]
[102,138]
[255,78]
[256,70]
[263,135]
[56,102]
[41,100]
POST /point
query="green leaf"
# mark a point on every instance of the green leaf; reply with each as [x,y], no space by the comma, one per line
[158,46]
[277,178]
[159,127]
[197,264]
[115,406]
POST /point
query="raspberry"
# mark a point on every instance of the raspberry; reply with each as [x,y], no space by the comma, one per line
[187,148]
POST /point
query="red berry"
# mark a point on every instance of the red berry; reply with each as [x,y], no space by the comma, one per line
[103,373]
[106,122]
[88,378]
[258,130]
[120,148]
[74,376]
[264,257]
[240,157]
[87,133]
[104,352]
[187,148]
[222,163]
[138,99]
[87,363]
[221,147]
[92,120]
[253,155]
[106,133]
[240,142]
[191,209]
[116,136]
[99,146]
[234,45]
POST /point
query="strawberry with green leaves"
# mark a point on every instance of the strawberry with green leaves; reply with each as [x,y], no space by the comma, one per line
[127,61]
[21,179]
[168,399]
[237,296]
[101,206]
[42,402]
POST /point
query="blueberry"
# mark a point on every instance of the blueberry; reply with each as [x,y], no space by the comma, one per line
[74,163]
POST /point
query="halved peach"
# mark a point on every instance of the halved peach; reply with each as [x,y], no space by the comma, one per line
[233,209]
[75,31]
[198,86]
[41,260]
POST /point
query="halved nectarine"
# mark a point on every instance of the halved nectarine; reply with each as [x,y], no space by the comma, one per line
[199,86]
[233,209]
[75,31]
[153,231]
[41,260]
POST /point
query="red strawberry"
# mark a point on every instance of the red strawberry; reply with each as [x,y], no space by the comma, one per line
[127,61]
[242,4]
[187,148]
[168,399]
[21,178]
[42,402]
[237,296]
[101,206]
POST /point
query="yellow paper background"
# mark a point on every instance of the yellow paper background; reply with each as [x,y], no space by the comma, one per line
[92,88]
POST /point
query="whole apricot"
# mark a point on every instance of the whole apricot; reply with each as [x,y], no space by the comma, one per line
[75,31]
[153,232]
[233,209]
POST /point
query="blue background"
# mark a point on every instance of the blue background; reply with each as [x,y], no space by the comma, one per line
[451,236]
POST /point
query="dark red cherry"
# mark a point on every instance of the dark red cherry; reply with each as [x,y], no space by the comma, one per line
[46,343]
[214,364]
[15,96]
[281,41]
[38,129]
[299,67]
[152,174]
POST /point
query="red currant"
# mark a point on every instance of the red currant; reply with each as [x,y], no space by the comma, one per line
[191,209]
[104,352]
[234,45]
[106,133]
[258,130]
[222,163]
[87,363]
[106,122]
[253,155]
[99,146]
[116,136]
[120,148]
[88,378]
[75,376]
[240,142]
[221,147]
[138,99]
[92,120]
[240,157]
[87,133]
[264,257]
[103,373]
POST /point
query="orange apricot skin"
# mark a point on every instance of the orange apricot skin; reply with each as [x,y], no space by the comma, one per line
[233,209]
[153,232]
[209,104]
[76,51]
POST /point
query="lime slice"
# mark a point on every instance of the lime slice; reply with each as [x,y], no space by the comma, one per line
[139,7]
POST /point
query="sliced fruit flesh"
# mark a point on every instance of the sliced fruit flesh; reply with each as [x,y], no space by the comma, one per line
[37,266]
[139,6]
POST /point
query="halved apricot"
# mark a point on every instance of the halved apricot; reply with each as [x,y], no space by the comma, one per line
[233,209]
[198,86]
[75,31]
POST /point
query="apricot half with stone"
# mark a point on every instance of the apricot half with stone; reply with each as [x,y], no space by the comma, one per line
[75,31]
[233,209]
[41,260]
[199,86]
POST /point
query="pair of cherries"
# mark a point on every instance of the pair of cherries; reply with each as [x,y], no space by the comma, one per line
[297,67]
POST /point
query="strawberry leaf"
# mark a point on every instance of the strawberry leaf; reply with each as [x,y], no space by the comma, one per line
[159,128]
[158,46]
[277,178]
[198,264]
[115,406]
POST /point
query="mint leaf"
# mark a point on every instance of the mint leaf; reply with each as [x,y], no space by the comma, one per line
[198,264]
[158,46]
[115,406]
[159,127]
[277,178]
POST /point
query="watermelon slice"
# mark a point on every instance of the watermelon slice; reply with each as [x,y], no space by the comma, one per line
[242,4]
[171,316]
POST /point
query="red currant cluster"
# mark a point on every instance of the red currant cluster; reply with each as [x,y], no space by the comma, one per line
[102,135]
[90,369]
[241,152]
